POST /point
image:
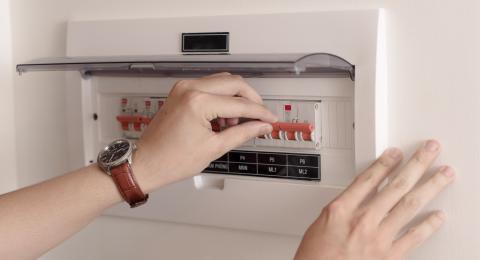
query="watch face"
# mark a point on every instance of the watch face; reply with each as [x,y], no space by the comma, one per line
[114,152]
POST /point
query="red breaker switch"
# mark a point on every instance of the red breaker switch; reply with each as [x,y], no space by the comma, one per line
[137,120]
[124,123]
[128,120]
[147,114]
[159,104]
[293,131]
[275,135]
[292,127]
[137,125]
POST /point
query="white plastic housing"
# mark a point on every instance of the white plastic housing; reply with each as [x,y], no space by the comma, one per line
[251,203]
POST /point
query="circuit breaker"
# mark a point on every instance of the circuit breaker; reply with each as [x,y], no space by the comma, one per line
[135,114]
[298,132]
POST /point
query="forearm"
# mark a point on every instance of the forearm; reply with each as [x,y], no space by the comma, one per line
[178,143]
[37,218]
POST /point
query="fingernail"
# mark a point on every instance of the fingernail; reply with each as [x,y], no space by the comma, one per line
[447,171]
[431,146]
[393,153]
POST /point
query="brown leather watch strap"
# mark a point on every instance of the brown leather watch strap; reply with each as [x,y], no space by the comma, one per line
[127,185]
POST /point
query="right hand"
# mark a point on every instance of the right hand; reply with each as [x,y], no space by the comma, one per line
[358,226]
[180,143]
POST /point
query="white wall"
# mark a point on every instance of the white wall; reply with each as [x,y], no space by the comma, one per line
[434,92]
[7,130]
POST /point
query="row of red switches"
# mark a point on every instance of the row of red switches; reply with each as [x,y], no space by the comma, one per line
[136,121]
[291,131]
[293,127]
[284,131]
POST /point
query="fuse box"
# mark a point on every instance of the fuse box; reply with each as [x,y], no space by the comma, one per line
[299,127]
[327,90]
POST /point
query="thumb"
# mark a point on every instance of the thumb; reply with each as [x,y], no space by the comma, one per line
[237,135]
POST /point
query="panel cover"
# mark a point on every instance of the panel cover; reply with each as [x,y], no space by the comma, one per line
[247,65]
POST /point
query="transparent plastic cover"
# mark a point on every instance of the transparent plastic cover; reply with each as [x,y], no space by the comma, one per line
[247,65]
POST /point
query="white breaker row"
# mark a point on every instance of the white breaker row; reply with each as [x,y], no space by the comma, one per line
[298,125]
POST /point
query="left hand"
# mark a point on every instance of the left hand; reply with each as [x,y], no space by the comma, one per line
[358,226]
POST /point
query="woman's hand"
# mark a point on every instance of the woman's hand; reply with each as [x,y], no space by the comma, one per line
[179,141]
[363,224]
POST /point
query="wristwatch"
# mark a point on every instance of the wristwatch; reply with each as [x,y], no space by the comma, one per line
[116,160]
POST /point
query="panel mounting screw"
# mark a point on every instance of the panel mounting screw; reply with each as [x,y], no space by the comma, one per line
[95,116]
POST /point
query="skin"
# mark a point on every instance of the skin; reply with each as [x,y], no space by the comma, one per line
[360,224]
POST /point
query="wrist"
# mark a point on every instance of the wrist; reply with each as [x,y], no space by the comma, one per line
[142,172]
[116,161]
[155,169]
[107,191]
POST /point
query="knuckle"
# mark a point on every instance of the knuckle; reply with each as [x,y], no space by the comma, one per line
[420,157]
[411,202]
[368,178]
[416,235]
[362,224]
[194,98]
[220,74]
[400,183]
[236,77]
[244,105]
[334,209]
[379,249]
[384,162]
[181,85]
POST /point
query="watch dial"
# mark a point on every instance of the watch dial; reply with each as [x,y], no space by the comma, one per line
[114,152]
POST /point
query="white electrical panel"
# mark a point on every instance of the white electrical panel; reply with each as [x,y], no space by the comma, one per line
[291,151]
[326,89]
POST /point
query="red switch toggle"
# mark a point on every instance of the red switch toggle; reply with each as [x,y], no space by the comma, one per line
[293,127]
[290,131]
[137,126]
[275,135]
[127,120]
[146,120]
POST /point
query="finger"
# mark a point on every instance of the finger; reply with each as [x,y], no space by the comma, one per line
[235,136]
[226,84]
[217,106]
[221,122]
[371,178]
[404,181]
[417,235]
[232,121]
[216,75]
[414,201]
